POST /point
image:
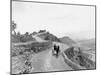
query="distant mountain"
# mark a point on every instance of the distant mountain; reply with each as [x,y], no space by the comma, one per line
[67,40]
[50,37]
[89,43]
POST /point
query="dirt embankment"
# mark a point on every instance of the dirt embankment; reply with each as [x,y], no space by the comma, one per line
[77,60]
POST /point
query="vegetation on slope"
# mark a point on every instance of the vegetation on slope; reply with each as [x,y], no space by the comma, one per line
[34,47]
[79,58]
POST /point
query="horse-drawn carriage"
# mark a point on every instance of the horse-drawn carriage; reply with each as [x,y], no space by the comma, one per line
[55,50]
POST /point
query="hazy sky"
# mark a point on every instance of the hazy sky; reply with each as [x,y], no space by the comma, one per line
[61,20]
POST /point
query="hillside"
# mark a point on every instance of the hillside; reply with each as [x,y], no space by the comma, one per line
[37,56]
[67,40]
[48,36]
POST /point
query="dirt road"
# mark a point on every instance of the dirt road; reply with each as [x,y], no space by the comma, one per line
[43,61]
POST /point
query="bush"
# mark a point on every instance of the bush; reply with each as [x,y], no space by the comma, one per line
[41,31]
[15,39]
[17,51]
[26,38]
[22,38]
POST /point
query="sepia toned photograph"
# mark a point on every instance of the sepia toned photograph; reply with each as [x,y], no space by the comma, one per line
[52,37]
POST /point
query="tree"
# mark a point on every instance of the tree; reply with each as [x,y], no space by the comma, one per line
[13,27]
[41,31]
[18,34]
[34,33]
[27,33]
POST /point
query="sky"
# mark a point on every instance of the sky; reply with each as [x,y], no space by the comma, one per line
[78,22]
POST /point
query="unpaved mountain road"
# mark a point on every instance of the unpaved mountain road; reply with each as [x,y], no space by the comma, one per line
[43,61]
[38,39]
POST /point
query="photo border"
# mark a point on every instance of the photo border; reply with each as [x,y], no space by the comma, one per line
[59,4]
